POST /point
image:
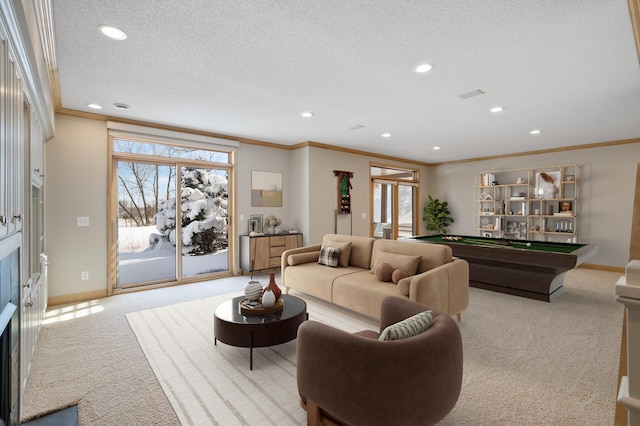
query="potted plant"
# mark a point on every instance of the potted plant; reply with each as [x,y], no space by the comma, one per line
[437,216]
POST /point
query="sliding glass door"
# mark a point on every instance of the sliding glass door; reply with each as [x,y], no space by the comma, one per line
[204,224]
[146,216]
[170,214]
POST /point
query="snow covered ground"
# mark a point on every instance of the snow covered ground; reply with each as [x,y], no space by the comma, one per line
[137,262]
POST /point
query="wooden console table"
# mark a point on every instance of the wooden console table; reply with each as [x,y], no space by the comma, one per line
[262,252]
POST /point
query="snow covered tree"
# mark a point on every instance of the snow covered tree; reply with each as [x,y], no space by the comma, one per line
[204,202]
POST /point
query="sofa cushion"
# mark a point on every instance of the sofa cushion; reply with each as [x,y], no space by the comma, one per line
[433,255]
[361,248]
[407,263]
[345,250]
[383,272]
[329,256]
[409,327]
[306,257]
[397,275]
[361,291]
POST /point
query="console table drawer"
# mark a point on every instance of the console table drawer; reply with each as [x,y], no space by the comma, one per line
[277,240]
[276,251]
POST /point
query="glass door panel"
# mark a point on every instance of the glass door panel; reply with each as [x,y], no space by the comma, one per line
[405,210]
[205,233]
[383,210]
[146,215]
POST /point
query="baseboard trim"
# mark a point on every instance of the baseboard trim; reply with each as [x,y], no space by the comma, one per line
[76,297]
[606,268]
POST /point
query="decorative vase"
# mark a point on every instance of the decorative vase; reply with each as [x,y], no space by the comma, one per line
[273,286]
[253,290]
[268,298]
[552,192]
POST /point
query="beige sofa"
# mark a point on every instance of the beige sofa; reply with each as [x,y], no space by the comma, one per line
[440,281]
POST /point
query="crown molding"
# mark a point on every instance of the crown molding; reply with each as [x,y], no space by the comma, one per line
[634,12]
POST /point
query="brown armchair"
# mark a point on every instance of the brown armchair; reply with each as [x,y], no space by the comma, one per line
[355,379]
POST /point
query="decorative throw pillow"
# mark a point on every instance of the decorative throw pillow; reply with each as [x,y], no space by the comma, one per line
[409,327]
[345,250]
[329,256]
[383,272]
[398,274]
[399,261]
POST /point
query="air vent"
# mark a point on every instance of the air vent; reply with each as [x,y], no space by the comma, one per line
[471,94]
[356,127]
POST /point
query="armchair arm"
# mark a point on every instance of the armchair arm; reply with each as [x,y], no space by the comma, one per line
[445,287]
[283,259]
[334,368]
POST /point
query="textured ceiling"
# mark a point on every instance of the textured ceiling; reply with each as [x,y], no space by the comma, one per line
[248,68]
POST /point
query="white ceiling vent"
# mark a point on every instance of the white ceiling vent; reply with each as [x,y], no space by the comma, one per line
[356,127]
[471,94]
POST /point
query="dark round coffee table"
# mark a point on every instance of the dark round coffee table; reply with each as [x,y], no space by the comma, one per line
[234,328]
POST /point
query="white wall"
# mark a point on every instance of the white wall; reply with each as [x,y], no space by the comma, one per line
[265,159]
[300,192]
[607,185]
[324,191]
[76,185]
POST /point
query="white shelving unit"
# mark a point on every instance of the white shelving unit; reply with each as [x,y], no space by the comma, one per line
[530,204]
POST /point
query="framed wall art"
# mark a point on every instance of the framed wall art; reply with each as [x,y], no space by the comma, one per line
[266,189]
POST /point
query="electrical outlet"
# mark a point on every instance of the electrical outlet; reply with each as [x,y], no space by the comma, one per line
[85,275]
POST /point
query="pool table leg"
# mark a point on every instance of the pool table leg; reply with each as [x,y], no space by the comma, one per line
[459,316]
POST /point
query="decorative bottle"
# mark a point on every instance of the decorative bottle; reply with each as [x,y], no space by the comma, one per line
[273,286]
[268,298]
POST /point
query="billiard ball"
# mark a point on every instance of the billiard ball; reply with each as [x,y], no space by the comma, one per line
[528,244]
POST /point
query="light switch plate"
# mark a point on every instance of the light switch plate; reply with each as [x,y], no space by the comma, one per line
[82,220]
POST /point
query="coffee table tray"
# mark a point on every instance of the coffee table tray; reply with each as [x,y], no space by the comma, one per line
[247,309]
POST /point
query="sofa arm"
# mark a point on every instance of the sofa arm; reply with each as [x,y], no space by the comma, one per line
[285,255]
[445,288]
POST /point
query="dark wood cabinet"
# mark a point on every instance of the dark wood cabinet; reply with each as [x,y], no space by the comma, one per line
[262,252]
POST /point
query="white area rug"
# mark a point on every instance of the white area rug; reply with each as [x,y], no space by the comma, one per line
[526,362]
[212,385]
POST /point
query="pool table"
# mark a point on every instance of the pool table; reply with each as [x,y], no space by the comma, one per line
[533,269]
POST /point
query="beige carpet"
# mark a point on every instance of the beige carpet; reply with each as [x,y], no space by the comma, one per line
[526,362]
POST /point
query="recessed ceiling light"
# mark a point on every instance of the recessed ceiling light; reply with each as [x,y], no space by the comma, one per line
[307,114]
[421,69]
[535,132]
[113,32]
[94,106]
[121,107]
[435,148]
[497,109]
[386,135]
